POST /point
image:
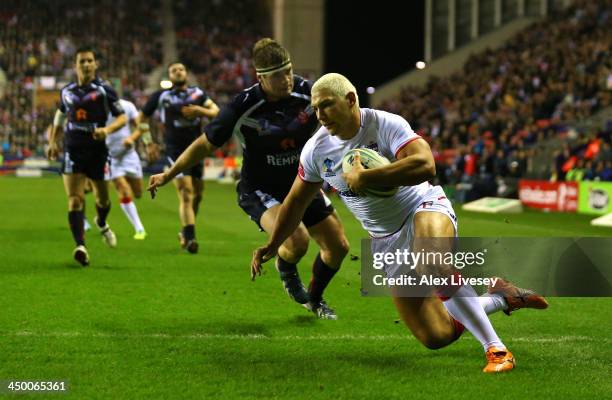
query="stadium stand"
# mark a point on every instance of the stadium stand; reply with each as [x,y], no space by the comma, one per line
[506,109]
[213,39]
[493,119]
[31,48]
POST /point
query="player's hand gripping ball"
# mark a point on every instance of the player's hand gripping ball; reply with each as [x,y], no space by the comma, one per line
[369,159]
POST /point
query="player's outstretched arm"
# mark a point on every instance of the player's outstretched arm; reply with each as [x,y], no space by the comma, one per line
[102,133]
[117,124]
[288,218]
[199,149]
[415,164]
[136,131]
[143,130]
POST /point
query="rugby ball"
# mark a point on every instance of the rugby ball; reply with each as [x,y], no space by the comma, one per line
[369,159]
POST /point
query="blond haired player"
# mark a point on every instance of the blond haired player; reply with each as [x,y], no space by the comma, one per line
[417,210]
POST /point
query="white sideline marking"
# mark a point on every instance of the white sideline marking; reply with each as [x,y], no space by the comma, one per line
[213,336]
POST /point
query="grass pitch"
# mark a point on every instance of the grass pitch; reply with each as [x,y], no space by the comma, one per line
[147,320]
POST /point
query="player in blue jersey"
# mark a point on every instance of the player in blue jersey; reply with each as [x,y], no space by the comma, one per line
[84,108]
[182,110]
[273,120]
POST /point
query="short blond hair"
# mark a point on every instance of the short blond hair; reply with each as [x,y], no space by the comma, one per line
[337,84]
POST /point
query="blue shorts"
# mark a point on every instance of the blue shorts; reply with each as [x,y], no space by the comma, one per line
[256,202]
[196,172]
[88,160]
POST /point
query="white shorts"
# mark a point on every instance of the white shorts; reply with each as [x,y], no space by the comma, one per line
[434,201]
[126,165]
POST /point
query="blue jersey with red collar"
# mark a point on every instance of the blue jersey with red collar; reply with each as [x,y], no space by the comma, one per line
[179,131]
[272,134]
[86,108]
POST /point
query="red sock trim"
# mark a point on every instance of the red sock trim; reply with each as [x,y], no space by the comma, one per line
[459,328]
[126,200]
[441,296]
[448,291]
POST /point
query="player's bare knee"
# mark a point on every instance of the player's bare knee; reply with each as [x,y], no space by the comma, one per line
[135,187]
[103,203]
[186,195]
[436,270]
[299,249]
[335,253]
[297,245]
[423,269]
[75,202]
[435,343]
[291,253]
[436,340]
[124,193]
[343,247]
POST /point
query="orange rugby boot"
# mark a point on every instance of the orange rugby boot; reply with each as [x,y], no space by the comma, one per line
[498,360]
[517,297]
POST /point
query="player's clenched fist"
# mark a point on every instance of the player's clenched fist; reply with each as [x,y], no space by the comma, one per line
[100,133]
[52,151]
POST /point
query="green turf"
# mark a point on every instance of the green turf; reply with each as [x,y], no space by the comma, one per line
[147,320]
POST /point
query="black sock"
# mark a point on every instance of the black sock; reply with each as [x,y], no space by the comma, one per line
[285,268]
[321,275]
[102,214]
[75,220]
[189,232]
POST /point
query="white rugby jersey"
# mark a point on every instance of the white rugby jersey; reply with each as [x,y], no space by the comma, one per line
[386,133]
[114,141]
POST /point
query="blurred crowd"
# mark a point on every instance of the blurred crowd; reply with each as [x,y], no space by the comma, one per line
[215,40]
[486,121]
[587,158]
[39,38]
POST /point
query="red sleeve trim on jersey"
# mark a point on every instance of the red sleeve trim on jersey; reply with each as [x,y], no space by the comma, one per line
[406,143]
[311,182]
[302,175]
